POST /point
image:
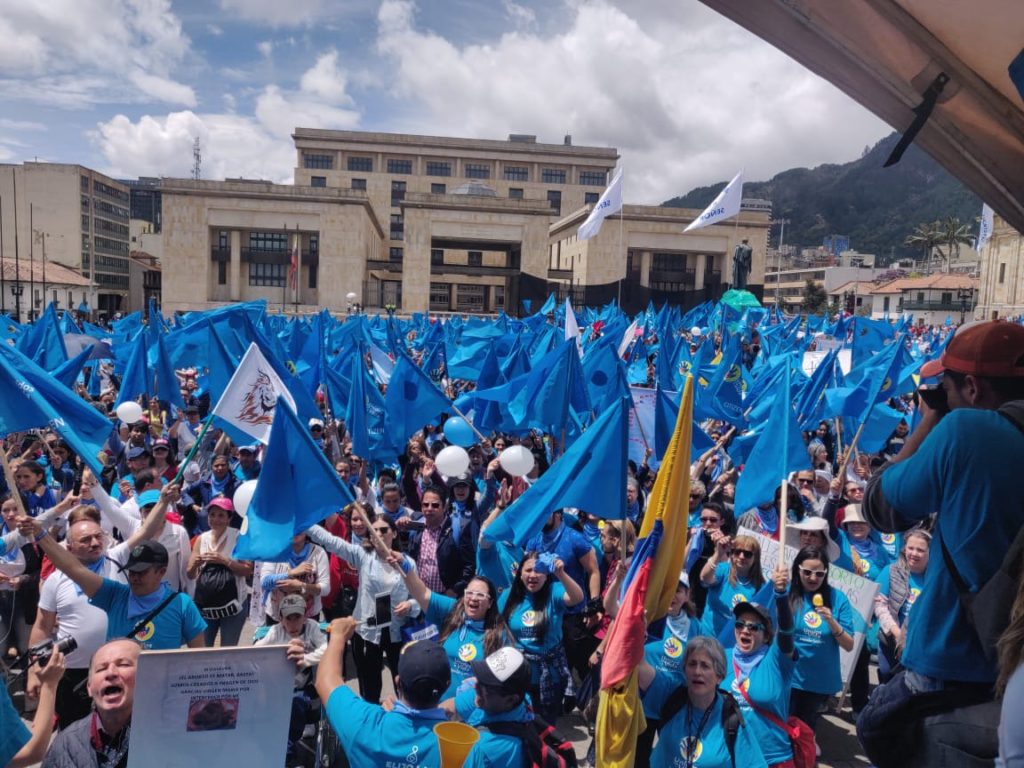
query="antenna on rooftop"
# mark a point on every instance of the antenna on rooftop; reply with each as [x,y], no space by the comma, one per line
[197,159]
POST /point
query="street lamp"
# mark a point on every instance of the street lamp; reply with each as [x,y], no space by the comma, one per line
[965,295]
[778,256]
[17,290]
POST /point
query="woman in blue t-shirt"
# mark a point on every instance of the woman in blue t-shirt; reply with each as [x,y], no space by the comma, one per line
[533,608]
[901,585]
[469,628]
[31,479]
[823,619]
[731,575]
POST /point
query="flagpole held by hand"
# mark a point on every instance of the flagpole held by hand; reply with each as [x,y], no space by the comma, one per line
[783,512]
[192,450]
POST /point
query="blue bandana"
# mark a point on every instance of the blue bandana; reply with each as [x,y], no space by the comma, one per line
[140,605]
[477,625]
[96,568]
[679,625]
[769,518]
[746,662]
[435,713]
[295,559]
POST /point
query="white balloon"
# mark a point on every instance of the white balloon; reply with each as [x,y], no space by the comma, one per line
[245,527]
[243,497]
[129,412]
[452,461]
[517,460]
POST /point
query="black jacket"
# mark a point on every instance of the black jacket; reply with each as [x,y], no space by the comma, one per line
[456,560]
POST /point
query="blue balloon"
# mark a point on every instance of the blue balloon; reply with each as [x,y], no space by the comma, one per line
[458,432]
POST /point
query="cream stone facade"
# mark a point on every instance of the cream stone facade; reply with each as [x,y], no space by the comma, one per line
[1001,286]
[75,217]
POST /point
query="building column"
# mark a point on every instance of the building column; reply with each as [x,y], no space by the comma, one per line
[645,268]
[698,272]
[235,266]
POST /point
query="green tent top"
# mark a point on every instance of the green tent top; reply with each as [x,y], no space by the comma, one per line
[740,299]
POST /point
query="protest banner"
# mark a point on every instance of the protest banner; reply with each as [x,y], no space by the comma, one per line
[860,592]
[211,705]
[641,424]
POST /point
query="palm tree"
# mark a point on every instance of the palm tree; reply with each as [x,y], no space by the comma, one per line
[926,237]
[953,234]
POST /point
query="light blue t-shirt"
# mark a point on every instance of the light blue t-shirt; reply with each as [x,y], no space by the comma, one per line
[768,686]
[723,596]
[173,627]
[495,749]
[666,658]
[525,621]
[869,567]
[954,472]
[13,733]
[915,586]
[676,742]
[817,668]
[371,736]
[462,646]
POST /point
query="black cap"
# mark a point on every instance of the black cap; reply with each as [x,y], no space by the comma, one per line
[145,555]
[506,669]
[424,670]
[138,452]
[466,478]
[191,409]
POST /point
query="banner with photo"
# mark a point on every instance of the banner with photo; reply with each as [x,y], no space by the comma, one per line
[227,706]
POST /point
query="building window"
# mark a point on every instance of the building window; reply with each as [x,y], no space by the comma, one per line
[499,297]
[268,241]
[947,299]
[222,273]
[435,168]
[593,178]
[470,298]
[555,201]
[515,193]
[1002,272]
[391,293]
[222,240]
[438,189]
[397,193]
[318,161]
[397,226]
[475,258]
[361,164]
[436,256]
[477,171]
[662,262]
[400,166]
[440,297]
[517,173]
[359,184]
[272,275]
[885,303]
[312,271]
[318,181]
[552,176]
[591,198]
[85,221]
[85,183]
[395,254]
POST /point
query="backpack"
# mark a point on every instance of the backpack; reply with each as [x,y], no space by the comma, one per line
[988,609]
[544,746]
[217,592]
[732,718]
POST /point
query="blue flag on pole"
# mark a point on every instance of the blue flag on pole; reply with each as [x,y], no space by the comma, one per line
[135,382]
[412,400]
[355,413]
[296,489]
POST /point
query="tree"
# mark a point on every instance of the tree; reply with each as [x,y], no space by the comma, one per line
[953,234]
[815,299]
[925,237]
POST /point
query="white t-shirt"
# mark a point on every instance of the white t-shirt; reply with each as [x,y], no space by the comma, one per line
[76,617]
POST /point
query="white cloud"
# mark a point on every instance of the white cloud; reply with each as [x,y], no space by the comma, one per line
[21,125]
[520,15]
[327,80]
[214,30]
[687,97]
[265,47]
[280,113]
[275,13]
[165,90]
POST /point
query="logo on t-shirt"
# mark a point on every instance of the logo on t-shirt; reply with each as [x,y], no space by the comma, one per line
[737,686]
[467,652]
[863,566]
[914,594]
[888,538]
[146,633]
[739,598]
[529,618]
[812,619]
[673,648]
[690,749]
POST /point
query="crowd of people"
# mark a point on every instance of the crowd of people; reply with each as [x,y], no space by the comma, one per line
[508,639]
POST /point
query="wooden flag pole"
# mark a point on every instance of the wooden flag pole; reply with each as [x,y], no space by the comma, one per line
[783,514]
[9,475]
[851,449]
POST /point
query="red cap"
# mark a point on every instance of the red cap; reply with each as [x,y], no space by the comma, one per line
[991,349]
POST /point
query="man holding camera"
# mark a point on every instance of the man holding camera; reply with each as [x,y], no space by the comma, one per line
[963,461]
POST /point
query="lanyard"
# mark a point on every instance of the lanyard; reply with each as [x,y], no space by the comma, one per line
[691,741]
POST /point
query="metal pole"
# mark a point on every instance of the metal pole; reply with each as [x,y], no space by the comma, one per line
[3,282]
[31,263]
[17,261]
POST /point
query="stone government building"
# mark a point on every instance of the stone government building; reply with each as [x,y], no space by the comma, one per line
[437,224]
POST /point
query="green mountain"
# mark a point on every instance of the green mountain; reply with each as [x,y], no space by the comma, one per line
[876,207]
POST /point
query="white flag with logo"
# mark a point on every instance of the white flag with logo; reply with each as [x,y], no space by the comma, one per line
[572,327]
[726,205]
[609,202]
[249,401]
[985,228]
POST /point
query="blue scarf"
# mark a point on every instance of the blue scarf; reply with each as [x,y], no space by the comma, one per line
[769,518]
[746,662]
[633,511]
[679,625]
[867,549]
[477,625]
[434,713]
[218,486]
[140,605]
[96,568]
[295,559]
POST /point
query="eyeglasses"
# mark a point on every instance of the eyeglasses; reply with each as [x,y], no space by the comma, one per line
[854,489]
[382,529]
[713,520]
[807,573]
[750,626]
[807,480]
[697,496]
[477,595]
[316,429]
[430,504]
[744,553]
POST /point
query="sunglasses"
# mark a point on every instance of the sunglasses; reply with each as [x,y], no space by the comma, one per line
[808,573]
[749,625]
[383,529]
[430,504]
[696,495]
[744,553]
[710,520]
[807,480]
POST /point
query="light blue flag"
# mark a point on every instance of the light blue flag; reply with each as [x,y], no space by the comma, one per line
[605,375]
[296,489]
[67,373]
[580,478]
[30,398]
[555,384]
[779,451]
[167,387]
[355,413]
[43,342]
[412,401]
[135,380]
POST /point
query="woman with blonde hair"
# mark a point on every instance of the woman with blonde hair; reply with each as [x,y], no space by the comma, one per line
[732,575]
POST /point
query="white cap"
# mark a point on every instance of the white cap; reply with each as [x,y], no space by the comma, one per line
[315,423]
[695,331]
[684,579]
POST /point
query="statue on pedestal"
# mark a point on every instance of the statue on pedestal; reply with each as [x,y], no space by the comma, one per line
[742,257]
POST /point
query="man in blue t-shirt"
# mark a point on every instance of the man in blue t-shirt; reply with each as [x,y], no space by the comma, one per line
[502,682]
[368,733]
[947,465]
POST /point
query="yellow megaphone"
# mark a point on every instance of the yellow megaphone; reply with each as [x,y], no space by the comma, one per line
[455,740]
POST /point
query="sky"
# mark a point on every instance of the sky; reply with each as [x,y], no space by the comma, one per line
[686,96]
